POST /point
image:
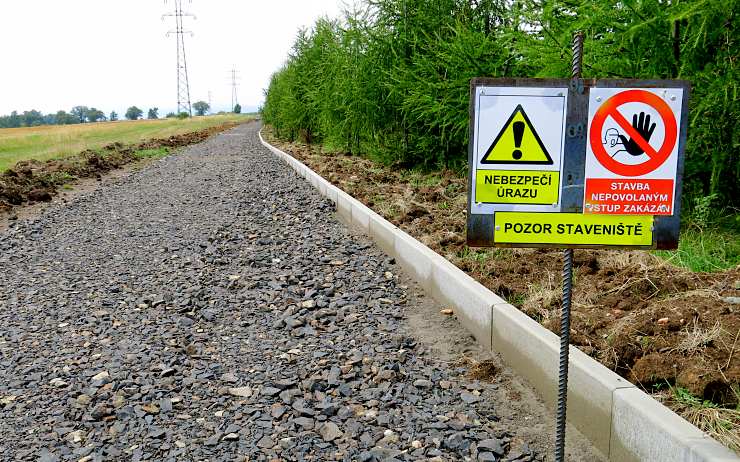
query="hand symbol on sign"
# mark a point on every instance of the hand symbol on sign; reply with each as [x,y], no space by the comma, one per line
[643,127]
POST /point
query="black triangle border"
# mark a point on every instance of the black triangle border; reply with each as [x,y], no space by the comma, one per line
[518,108]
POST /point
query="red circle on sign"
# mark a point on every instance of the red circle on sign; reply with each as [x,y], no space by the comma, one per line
[609,108]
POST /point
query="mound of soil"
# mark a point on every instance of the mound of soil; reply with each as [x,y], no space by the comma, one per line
[36,181]
[648,320]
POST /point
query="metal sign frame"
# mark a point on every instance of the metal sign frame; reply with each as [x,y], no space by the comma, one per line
[480,228]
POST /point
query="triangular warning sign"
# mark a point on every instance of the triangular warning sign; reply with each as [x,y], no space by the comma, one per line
[517,143]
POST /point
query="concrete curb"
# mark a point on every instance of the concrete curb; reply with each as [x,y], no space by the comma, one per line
[623,422]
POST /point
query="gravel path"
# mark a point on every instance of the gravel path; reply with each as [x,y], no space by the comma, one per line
[210,307]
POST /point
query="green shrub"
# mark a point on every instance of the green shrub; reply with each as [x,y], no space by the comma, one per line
[391,79]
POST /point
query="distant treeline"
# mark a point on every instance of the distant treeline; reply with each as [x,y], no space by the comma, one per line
[34,118]
[391,79]
[84,114]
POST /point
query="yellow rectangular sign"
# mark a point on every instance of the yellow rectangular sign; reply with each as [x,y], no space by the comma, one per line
[572,229]
[517,187]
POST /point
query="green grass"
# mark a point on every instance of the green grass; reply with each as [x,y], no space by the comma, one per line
[709,249]
[61,177]
[480,256]
[722,424]
[684,396]
[56,141]
[418,178]
[152,153]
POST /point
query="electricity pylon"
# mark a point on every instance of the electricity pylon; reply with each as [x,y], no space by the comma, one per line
[183,84]
[234,84]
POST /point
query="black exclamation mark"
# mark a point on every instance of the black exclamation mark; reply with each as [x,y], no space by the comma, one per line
[518,134]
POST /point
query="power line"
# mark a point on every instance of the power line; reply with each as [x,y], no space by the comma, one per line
[183,84]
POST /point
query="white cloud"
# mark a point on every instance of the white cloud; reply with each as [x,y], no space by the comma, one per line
[114,54]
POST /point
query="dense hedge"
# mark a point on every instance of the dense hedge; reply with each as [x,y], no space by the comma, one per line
[391,78]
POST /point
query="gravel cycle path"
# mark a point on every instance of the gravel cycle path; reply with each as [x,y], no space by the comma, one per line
[211,307]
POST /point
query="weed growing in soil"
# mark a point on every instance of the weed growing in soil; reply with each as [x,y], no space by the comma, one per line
[698,338]
[543,299]
[152,153]
[61,177]
[477,370]
[720,423]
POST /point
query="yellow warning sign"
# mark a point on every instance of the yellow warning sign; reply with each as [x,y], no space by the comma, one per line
[572,229]
[517,187]
[517,143]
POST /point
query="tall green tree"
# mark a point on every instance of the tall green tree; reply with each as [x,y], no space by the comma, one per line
[64,118]
[14,120]
[134,113]
[201,107]
[11,121]
[32,118]
[80,112]
[94,115]
[153,113]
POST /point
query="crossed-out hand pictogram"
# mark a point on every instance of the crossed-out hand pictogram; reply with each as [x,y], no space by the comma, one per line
[640,133]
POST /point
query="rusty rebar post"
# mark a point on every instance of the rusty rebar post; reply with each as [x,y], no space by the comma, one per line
[576,70]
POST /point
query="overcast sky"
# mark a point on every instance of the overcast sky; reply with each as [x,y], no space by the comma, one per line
[107,54]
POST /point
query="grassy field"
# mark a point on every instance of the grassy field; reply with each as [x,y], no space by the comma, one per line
[55,141]
[712,248]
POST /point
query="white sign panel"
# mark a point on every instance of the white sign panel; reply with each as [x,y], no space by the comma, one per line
[632,151]
[518,145]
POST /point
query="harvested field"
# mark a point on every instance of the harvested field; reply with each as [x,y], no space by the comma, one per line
[38,181]
[653,323]
[59,141]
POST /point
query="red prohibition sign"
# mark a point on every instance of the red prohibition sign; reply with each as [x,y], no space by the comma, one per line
[609,108]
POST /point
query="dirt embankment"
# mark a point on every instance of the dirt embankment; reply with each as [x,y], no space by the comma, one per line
[36,181]
[650,321]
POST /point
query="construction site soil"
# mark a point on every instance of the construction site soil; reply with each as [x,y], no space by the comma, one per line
[656,324]
[32,181]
